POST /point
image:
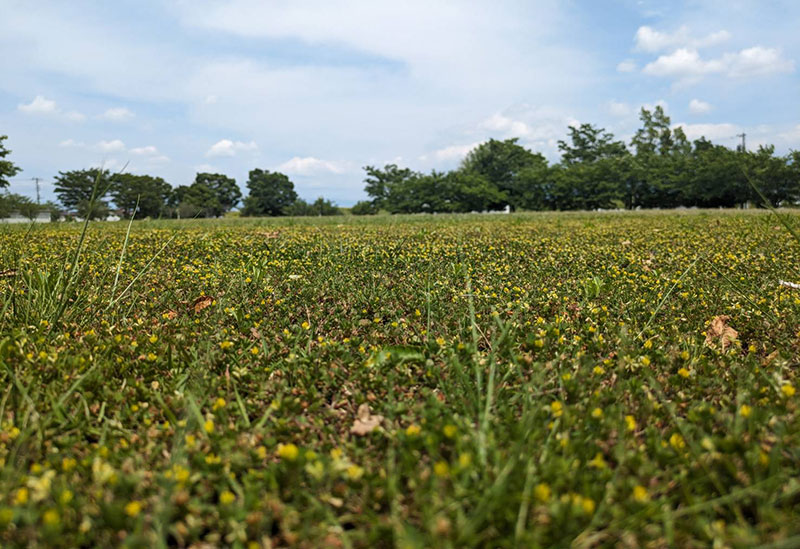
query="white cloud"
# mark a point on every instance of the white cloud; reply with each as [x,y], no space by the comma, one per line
[47,107]
[453,152]
[696,106]
[618,108]
[709,131]
[506,126]
[686,64]
[118,114]
[39,105]
[226,147]
[309,165]
[149,150]
[629,65]
[650,40]
[113,146]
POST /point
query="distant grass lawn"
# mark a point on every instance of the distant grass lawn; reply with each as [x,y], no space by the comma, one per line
[526,380]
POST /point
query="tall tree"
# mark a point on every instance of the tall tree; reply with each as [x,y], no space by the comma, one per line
[151,192]
[270,193]
[379,184]
[7,168]
[500,162]
[75,189]
[224,188]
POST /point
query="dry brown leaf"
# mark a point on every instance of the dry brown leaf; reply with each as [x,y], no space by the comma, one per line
[202,302]
[719,330]
[8,273]
[365,422]
[171,315]
[269,234]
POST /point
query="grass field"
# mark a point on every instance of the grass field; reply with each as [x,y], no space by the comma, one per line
[497,381]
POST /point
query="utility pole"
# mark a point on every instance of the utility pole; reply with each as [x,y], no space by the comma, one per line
[36,180]
[743,146]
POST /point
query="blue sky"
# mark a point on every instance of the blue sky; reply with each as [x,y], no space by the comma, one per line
[319,89]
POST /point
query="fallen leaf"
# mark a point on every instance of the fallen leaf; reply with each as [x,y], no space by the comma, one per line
[269,234]
[718,329]
[202,302]
[365,422]
[171,315]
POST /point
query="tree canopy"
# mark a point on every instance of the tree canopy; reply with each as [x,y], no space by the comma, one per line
[270,193]
[7,168]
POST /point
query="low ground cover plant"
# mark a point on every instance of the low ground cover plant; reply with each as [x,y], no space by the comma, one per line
[531,380]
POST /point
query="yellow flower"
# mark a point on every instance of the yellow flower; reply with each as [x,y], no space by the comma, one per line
[640,494]
[556,408]
[542,493]
[208,426]
[685,355]
[21,497]
[191,440]
[598,462]
[597,413]
[450,431]
[51,517]
[68,464]
[677,442]
[788,390]
[153,338]
[226,345]
[305,325]
[441,469]
[133,508]
[254,351]
[683,372]
[288,452]
[630,423]
[227,497]
[354,472]
[598,370]
[745,410]
[219,403]
[587,504]
[413,430]
[464,460]
[645,361]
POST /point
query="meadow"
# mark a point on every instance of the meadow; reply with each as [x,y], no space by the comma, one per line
[529,380]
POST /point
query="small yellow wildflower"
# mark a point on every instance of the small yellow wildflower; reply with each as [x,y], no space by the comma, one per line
[305,325]
[153,338]
[219,403]
[645,361]
[788,390]
[464,460]
[599,370]
[677,442]
[254,351]
[413,430]
[587,504]
[288,452]
[21,497]
[226,345]
[191,440]
[51,517]
[745,411]
[598,462]
[556,408]
[133,508]
[450,431]
[630,423]
[208,426]
[542,493]
[441,469]
[597,413]
[354,472]
[683,372]
[640,494]
[227,497]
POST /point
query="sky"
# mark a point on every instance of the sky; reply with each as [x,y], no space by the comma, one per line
[319,89]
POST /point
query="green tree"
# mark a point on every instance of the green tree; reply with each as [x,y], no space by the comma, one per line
[379,184]
[7,168]
[500,162]
[270,193]
[199,200]
[364,207]
[76,188]
[225,190]
[152,194]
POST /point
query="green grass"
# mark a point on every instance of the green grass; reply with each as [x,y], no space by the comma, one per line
[541,380]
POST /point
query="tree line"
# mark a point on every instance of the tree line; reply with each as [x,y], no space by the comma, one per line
[659,168]
[209,195]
